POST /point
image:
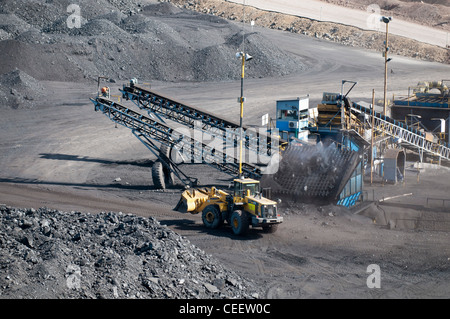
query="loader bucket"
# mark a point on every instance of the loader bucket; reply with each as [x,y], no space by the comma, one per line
[181,206]
[191,200]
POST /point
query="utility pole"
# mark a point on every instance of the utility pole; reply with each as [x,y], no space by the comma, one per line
[371,139]
[244,57]
[386,20]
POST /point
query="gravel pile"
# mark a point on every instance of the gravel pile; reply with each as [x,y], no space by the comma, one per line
[123,39]
[18,89]
[53,254]
[12,26]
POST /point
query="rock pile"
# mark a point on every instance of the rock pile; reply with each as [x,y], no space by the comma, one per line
[47,253]
[18,89]
[127,39]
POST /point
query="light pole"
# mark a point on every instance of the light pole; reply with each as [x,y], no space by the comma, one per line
[244,57]
[386,20]
[371,136]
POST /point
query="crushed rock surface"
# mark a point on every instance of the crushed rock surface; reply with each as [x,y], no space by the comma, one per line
[122,39]
[49,254]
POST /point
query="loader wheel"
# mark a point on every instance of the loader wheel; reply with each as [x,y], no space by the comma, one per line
[239,222]
[211,217]
[162,177]
[165,150]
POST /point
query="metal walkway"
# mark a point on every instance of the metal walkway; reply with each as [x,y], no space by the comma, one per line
[406,134]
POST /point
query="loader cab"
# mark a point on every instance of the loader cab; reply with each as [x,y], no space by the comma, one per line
[245,187]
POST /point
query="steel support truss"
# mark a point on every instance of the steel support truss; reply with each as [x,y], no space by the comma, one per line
[148,130]
[165,107]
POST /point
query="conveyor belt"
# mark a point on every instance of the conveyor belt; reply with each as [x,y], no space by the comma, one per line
[151,129]
[188,115]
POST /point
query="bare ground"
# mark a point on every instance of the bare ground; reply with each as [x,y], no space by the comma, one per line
[433,13]
[61,154]
[347,35]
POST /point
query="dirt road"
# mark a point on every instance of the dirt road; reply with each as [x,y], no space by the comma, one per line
[366,20]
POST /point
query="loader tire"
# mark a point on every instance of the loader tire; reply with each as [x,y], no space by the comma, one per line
[239,222]
[162,177]
[172,153]
[169,176]
[165,150]
[211,217]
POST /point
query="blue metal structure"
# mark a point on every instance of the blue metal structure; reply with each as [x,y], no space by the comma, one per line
[292,118]
[424,100]
[352,191]
[329,127]
[427,105]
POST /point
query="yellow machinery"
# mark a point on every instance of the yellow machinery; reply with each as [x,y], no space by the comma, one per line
[245,207]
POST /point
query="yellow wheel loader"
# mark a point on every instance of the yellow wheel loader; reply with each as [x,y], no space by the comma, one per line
[245,207]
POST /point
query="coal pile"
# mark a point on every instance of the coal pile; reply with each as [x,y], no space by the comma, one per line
[123,39]
[51,254]
[18,89]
